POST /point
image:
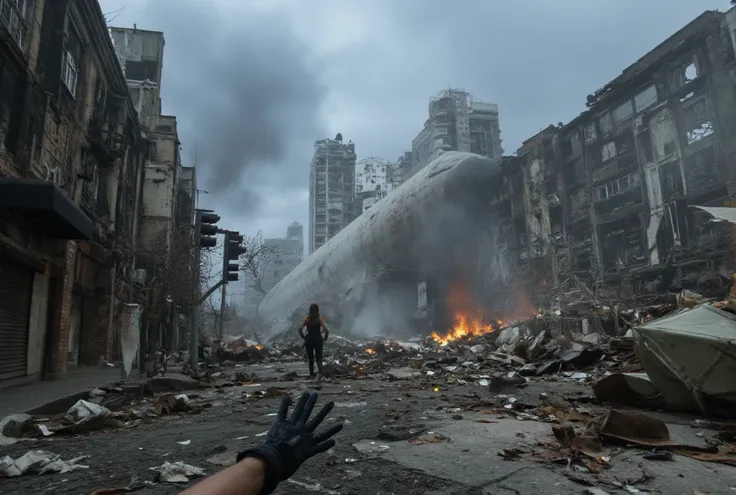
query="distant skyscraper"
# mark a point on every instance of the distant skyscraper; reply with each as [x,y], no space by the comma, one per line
[331,190]
[284,254]
[457,122]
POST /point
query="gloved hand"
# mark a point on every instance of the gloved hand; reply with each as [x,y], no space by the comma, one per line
[291,442]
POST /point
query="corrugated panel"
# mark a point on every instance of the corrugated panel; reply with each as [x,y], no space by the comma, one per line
[16,283]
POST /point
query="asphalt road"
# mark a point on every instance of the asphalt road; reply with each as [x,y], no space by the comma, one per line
[457,438]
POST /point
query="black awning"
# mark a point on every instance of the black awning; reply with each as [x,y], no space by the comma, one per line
[44,203]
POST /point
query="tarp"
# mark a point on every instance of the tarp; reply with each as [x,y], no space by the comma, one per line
[690,357]
[722,213]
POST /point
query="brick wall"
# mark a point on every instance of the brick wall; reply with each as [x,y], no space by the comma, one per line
[96,335]
[62,316]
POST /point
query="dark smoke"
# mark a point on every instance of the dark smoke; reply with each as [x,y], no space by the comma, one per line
[242,90]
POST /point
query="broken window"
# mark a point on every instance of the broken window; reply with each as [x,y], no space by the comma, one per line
[606,123]
[646,98]
[696,121]
[69,72]
[618,186]
[14,16]
[590,132]
[608,151]
[623,112]
[691,72]
[70,59]
[624,142]
[567,147]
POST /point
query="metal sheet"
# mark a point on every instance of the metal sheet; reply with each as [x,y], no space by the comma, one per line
[16,284]
[392,235]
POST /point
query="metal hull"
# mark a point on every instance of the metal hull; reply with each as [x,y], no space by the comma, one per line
[403,231]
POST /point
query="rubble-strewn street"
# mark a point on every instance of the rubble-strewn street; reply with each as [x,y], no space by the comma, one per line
[510,411]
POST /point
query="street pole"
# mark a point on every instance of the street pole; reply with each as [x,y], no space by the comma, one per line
[193,334]
[223,291]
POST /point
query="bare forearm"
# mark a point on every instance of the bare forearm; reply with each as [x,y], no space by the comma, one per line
[244,478]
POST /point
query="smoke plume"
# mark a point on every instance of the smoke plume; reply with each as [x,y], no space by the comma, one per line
[245,96]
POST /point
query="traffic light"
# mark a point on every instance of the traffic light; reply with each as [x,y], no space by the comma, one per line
[233,250]
[208,229]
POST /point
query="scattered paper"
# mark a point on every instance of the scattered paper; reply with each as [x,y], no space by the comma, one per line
[177,472]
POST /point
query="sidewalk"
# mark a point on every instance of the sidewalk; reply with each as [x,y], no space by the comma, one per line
[32,395]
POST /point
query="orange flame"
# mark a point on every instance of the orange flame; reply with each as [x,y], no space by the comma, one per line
[468,320]
[370,351]
[259,347]
[464,326]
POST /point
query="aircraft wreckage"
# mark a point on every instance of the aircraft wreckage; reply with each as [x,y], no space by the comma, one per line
[405,231]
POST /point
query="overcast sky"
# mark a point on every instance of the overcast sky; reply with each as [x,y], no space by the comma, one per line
[255,82]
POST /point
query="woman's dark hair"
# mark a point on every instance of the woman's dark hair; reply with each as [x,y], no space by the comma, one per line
[313,313]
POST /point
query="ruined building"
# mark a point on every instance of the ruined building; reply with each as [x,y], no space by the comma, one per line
[71,160]
[169,188]
[331,190]
[372,181]
[457,122]
[607,199]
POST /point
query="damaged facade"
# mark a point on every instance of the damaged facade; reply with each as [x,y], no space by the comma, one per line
[457,122]
[607,199]
[331,190]
[71,161]
[169,191]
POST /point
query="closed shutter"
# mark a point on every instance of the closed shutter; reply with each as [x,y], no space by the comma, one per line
[16,283]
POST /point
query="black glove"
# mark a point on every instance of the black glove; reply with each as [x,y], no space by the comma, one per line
[291,442]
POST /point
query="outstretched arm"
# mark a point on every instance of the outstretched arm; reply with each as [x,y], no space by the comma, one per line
[244,478]
[324,327]
[301,327]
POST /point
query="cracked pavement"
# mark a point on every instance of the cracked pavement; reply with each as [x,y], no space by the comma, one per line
[454,448]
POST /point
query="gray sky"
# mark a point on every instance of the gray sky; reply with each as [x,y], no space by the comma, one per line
[255,82]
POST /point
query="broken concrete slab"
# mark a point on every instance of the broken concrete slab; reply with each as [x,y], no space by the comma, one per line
[473,449]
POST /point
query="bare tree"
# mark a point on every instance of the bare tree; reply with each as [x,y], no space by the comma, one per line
[171,281]
[251,261]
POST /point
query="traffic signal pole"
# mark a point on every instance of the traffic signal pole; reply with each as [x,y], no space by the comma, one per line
[223,291]
[193,334]
[205,230]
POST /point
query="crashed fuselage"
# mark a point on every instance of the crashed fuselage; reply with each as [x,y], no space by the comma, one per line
[409,229]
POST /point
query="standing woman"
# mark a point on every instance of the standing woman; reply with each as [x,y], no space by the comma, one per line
[314,341]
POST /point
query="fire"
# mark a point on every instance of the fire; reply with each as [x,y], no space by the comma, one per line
[468,318]
[464,326]
[370,351]
[259,347]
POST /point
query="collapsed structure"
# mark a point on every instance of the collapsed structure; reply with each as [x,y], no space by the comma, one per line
[405,240]
[607,198]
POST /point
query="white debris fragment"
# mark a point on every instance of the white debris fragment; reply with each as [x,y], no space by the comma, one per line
[84,411]
[39,461]
[262,434]
[184,442]
[177,472]
[483,382]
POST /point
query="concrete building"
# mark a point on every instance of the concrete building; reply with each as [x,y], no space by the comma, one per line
[71,163]
[608,198]
[331,190]
[457,122]
[140,53]
[284,254]
[169,188]
[373,181]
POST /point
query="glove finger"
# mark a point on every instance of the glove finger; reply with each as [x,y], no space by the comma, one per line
[309,407]
[299,408]
[322,436]
[283,409]
[321,415]
[322,447]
